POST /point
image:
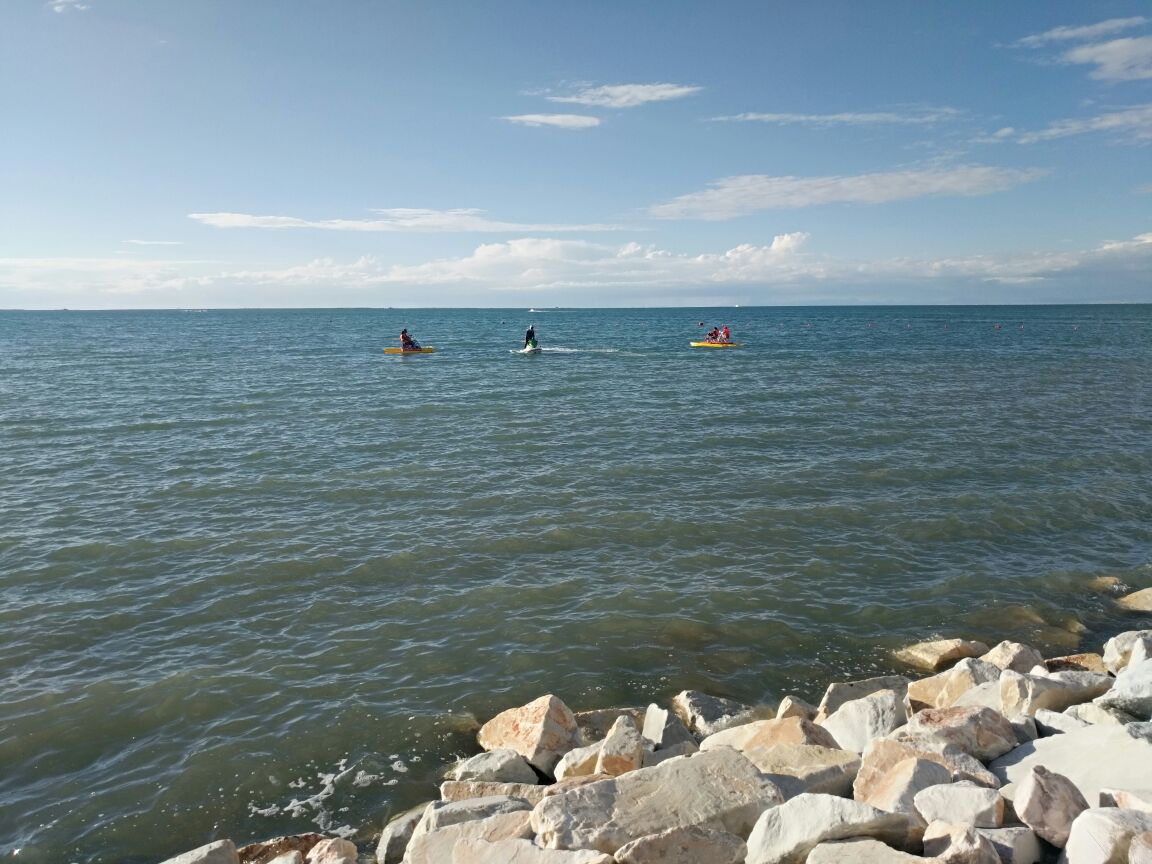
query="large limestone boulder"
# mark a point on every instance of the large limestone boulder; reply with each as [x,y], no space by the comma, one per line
[442,814]
[840,692]
[935,655]
[961,802]
[1128,799]
[1091,714]
[794,706]
[1057,722]
[579,762]
[1140,851]
[799,768]
[1137,601]
[462,790]
[220,852]
[397,833]
[440,844]
[1015,844]
[502,765]
[856,723]
[978,731]
[896,791]
[594,724]
[1104,835]
[1118,649]
[690,845]
[769,733]
[706,715]
[1014,656]
[717,790]
[1093,758]
[882,755]
[541,731]
[663,729]
[1075,663]
[786,834]
[861,851]
[516,851]
[1026,694]
[963,678]
[958,843]
[1048,804]
[622,750]
[1132,692]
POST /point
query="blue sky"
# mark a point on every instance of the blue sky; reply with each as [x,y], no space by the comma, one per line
[221,153]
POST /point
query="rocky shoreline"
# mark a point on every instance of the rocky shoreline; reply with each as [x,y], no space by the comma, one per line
[996,754]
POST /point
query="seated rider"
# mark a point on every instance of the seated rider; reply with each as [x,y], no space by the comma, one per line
[530,336]
[724,334]
[407,343]
[714,336]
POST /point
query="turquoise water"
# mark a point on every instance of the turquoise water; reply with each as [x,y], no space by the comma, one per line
[257,577]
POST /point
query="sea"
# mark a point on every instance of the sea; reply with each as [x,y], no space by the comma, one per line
[259,578]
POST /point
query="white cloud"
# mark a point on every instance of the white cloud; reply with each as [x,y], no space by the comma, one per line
[1082,34]
[737,196]
[1134,123]
[561,121]
[60,6]
[853,118]
[155,242]
[626,95]
[1118,60]
[398,219]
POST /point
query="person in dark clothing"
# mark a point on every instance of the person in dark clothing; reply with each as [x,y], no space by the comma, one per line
[407,343]
[530,336]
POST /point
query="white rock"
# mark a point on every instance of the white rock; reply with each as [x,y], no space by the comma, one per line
[706,715]
[683,748]
[861,851]
[955,843]
[1140,852]
[1077,663]
[515,851]
[882,754]
[856,723]
[462,790]
[541,731]
[840,692]
[684,846]
[799,768]
[794,706]
[1015,844]
[1132,692]
[1137,601]
[1057,723]
[1092,714]
[964,677]
[981,732]
[1104,835]
[769,733]
[717,790]
[961,802]
[897,789]
[1014,656]
[1048,803]
[622,750]
[1093,758]
[441,845]
[293,857]
[220,852]
[786,834]
[502,765]
[985,695]
[441,814]
[1026,694]
[1128,799]
[1118,649]
[332,851]
[663,729]
[579,762]
[397,833]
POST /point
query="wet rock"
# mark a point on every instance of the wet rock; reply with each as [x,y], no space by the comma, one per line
[934,656]
[220,852]
[717,790]
[1077,663]
[859,721]
[663,729]
[980,732]
[684,846]
[706,715]
[496,766]
[1137,601]
[787,833]
[794,706]
[594,725]
[799,768]
[267,850]
[541,731]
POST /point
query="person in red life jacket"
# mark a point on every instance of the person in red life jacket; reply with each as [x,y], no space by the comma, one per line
[724,334]
[714,336]
[407,343]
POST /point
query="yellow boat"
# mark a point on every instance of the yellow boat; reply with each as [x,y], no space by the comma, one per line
[409,350]
[716,344]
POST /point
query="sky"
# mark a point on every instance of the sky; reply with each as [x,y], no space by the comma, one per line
[599,153]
